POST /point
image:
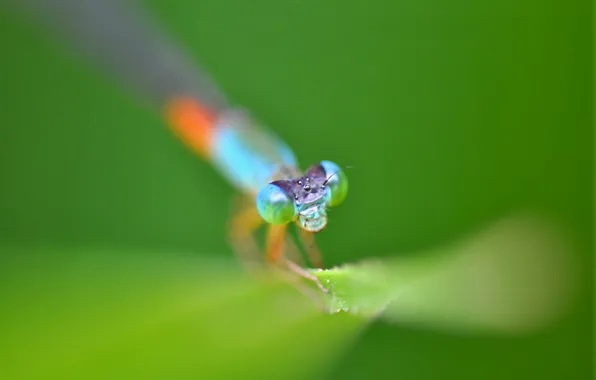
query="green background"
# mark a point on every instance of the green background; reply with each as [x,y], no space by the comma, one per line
[451,114]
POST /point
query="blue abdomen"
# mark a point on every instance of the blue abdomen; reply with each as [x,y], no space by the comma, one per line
[248,156]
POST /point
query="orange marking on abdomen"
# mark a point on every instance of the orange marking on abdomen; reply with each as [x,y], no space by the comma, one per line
[193,123]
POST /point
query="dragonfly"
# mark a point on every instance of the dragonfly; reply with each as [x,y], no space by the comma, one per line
[125,41]
[263,168]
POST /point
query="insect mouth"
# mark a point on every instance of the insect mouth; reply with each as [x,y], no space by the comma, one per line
[313,219]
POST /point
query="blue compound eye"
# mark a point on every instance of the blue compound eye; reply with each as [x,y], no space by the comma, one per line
[336,181]
[275,205]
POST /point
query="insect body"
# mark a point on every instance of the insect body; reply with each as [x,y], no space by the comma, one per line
[121,39]
[261,166]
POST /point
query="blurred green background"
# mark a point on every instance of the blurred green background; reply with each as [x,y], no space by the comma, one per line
[451,114]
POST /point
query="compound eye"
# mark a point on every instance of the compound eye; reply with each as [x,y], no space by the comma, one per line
[336,181]
[275,205]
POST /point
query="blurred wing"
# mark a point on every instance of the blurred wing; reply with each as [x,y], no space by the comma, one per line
[122,40]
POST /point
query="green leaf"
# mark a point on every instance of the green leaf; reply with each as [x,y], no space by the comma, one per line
[69,314]
[515,276]
[80,315]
